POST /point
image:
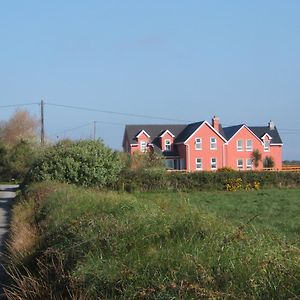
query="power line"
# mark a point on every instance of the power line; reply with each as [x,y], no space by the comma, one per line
[85,125]
[72,129]
[289,130]
[19,105]
[111,123]
[116,113]
[281,130]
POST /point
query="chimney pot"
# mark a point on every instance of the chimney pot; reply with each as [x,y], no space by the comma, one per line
[271,125]
[215,122]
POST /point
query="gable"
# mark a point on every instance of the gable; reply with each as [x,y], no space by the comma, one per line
[239,131]
[154,131]
[266,136]
[260,131]
[168,132]
[201,124]
[142,132]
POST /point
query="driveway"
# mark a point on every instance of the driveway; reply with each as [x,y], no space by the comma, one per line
[7,194]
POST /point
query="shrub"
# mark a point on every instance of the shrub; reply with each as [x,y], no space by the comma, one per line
[139,161]
[21,158]
[268,162]
[226,169]
[15,160]
[87,163]
[236,184]
[256,157]
[162,180]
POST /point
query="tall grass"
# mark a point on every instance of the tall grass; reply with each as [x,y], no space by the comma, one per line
[121,246]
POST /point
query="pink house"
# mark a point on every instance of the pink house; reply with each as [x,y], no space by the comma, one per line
[204,146]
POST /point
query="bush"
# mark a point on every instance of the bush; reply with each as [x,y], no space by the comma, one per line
[139,161]
[16,160]
[21,157]
[268,162]
[161,180]
[87,163]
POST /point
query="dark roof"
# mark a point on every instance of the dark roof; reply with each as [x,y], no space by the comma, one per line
[182,132]
[221,131]
[187,132]
[260,131]
[153,130]
[230,131]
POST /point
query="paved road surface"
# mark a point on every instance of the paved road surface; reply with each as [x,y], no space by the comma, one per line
[7,194]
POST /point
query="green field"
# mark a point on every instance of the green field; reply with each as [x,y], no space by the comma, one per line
[205,245]
[277,210]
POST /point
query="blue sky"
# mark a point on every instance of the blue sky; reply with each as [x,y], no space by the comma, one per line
[185,60]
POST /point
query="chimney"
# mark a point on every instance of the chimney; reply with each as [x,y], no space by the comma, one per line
[215,122]
[271,125]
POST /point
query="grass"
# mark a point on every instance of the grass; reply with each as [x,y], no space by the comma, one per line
[111,245]
[277,210]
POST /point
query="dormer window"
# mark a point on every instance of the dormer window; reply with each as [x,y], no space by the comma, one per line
[167,145]
[266,145]
[143,146]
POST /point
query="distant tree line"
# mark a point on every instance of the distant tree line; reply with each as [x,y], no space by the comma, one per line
[291,162]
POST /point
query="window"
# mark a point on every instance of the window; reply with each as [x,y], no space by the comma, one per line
[249,164]
[267,145]
[198,143]
[167,145]
[143,146]
[198,163]
[249,146]
[213,163]
[170,164]
[213,143]
[240,164]
[239,145]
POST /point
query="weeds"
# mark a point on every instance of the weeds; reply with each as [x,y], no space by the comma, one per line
[105,245]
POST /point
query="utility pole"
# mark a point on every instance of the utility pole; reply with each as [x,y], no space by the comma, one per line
[42,124]
[95,130]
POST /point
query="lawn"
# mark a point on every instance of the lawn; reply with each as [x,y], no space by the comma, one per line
[275,210]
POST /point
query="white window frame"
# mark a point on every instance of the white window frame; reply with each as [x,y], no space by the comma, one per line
[240,166]
[198,161]
[198,143]
[249,166]
[239,147]
[213,163]
[143,146]
[267,148]
[213,145]
[168,146]
[249,147]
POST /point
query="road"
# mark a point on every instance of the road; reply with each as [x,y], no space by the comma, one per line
[7,194]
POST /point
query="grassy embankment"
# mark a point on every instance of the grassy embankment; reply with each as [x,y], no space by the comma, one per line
[82,244]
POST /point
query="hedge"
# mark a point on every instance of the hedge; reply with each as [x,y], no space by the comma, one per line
[159,180]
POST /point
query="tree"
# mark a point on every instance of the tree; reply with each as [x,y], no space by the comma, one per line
[268,162]
[21,126]
[256,157]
